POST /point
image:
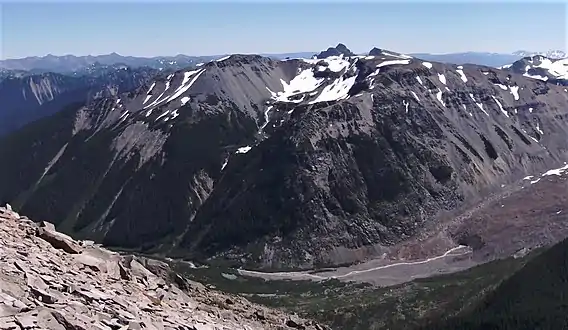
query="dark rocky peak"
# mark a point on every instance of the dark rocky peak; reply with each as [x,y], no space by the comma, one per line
[340,49]
[343,49]
[375,52]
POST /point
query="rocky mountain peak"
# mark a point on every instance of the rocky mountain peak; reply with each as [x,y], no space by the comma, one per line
[375,51]
[49,280]
[339,50]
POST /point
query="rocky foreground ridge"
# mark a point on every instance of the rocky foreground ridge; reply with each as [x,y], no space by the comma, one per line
[50,281]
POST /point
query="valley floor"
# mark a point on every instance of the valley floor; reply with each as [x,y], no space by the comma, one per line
[381,272]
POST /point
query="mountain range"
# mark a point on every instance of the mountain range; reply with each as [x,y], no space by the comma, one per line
[296,163]
[71,64]
[364,191]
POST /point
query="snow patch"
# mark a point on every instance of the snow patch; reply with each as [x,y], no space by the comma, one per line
[338,90]
[336,63]
[222,58]
[439,97]
[266,116]
[392,62]
[405,103]
[539,77]
[151,87]
[163,114]
[175,113]
[184,100]
[186,84]
[147,99]
[515,92]
[538,129]
[303,83]
[462,75]
[442,78]
[503,87]
[427,64]
[415,96]
[558,171]
[243,150]
[479,104]
[225,163]
[500,106]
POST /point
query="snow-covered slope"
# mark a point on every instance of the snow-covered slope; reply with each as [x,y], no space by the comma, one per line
[541,67]
[552,54]
[268,83]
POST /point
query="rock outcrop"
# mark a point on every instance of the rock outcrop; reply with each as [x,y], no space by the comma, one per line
[50,281]
[338,50]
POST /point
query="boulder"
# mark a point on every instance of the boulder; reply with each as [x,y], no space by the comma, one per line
[58,241]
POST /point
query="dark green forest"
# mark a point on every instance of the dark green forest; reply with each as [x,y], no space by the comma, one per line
[535,297]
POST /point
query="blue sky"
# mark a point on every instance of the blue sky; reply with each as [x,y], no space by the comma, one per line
[206,28]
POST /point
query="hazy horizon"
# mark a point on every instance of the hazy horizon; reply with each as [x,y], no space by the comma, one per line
[260,53]
[215,28]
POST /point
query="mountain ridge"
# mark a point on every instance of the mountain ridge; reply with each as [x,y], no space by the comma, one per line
[69,63]
[293,170]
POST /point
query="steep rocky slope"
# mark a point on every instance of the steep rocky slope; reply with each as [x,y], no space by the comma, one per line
[50,281]
[285,163]
[28,97]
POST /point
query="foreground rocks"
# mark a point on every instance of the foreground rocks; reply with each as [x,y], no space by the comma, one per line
[50,281]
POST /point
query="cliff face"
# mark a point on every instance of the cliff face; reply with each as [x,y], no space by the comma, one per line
[285,163]
[28,97]
[51,281]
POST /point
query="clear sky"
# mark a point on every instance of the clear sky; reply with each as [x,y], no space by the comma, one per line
[208,28]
